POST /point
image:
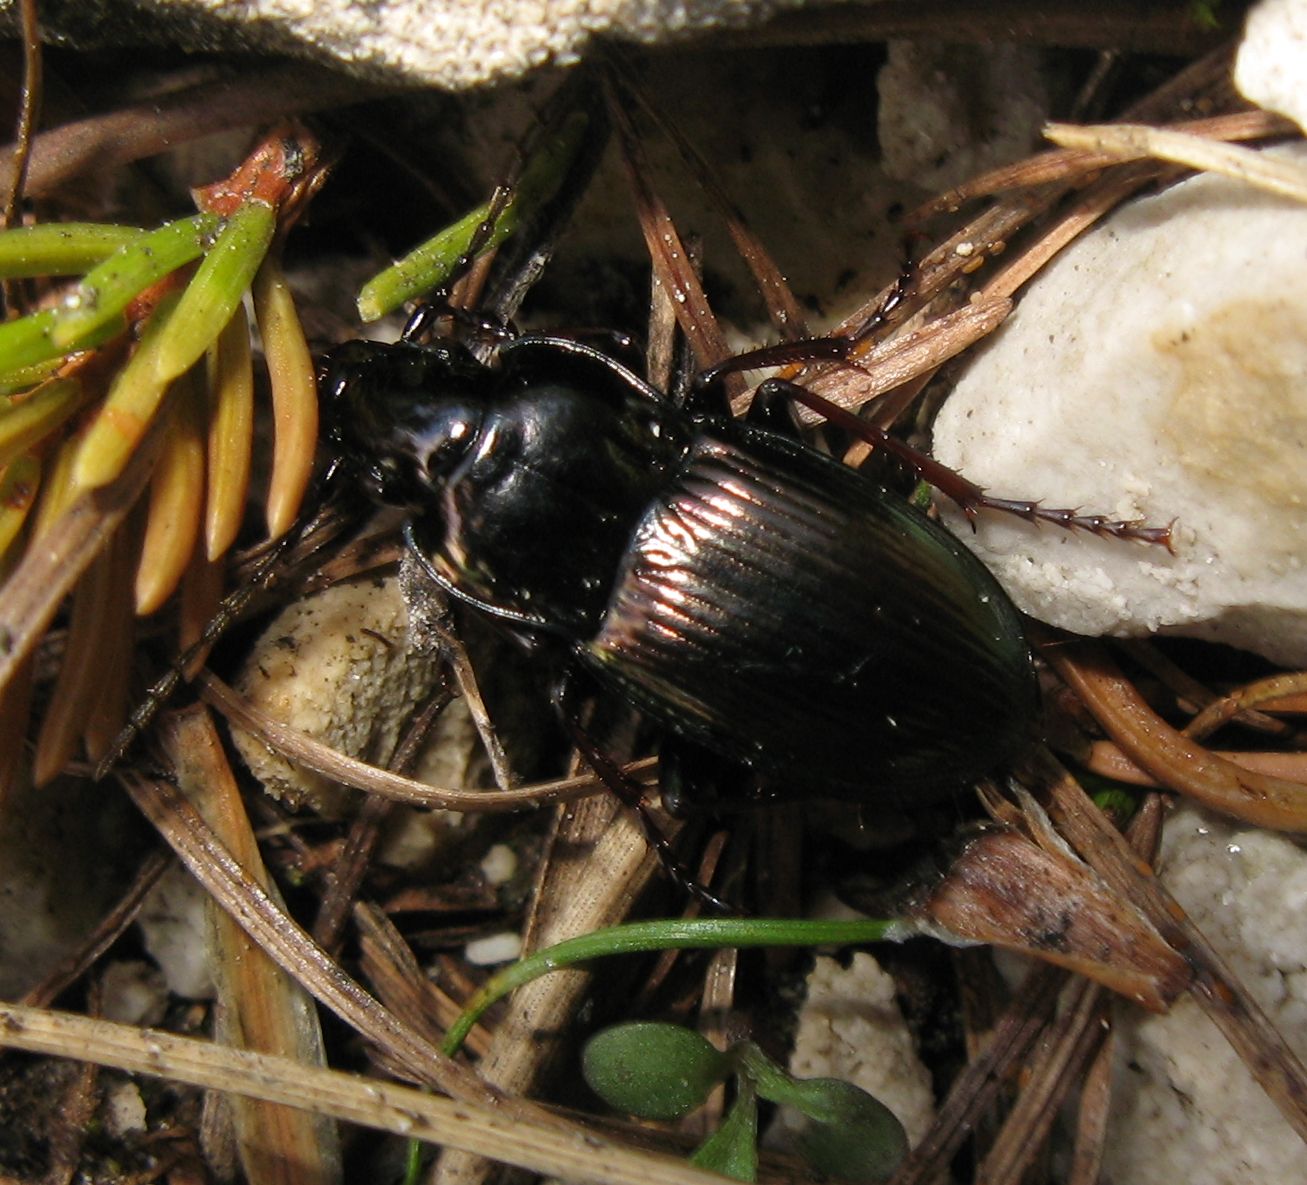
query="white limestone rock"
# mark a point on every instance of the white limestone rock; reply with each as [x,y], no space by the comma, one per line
[1271,69]
[1158,371]
[1185,1107]
[338,666]
[451,44]
[850,1027]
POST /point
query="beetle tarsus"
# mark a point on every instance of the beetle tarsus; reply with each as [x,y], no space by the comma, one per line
[835,348]
[1070,519]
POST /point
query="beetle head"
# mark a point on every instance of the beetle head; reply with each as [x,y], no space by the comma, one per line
[401,416]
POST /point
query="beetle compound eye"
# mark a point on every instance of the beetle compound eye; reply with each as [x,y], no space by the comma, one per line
[401,416]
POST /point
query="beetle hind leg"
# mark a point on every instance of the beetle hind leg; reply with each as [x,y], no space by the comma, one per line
[969,497]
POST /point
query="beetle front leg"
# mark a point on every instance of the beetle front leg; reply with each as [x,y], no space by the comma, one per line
[969,497]
[835,348]
[423,319]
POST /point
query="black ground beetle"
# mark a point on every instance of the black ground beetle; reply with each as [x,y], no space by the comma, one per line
[783,617]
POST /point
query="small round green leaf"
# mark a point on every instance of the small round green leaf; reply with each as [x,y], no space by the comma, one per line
[842,1131]
[655,1071]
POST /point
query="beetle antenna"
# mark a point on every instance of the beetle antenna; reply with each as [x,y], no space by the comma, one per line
[183,668]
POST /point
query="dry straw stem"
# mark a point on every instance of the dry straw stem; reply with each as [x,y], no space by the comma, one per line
[200,601]
[79,680]
[987,235]
[45,575]
[389,964]
[237,893]
[1058,1065]
[1073,1038]
[1059,164]
[496,1130]
[365,832]
[1173,759]
[1074,1034]
[887,365]
[1093,1114]
[299,747]
[19,481]
[1107,759]
[598,863]
[1276,1068]
[667,254]
[782,306]
[261,1007]
[15,712]
[1138,141]
[248,96]
[111,654]
[978,1087]
[1275,692]
[1194,696]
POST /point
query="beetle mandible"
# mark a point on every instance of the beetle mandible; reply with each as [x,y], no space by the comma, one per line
[774,610]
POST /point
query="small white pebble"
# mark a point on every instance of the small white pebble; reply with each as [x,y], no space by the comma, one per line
[850,1027]
[124,1110]
[344,667]
[498,948]
[134,993]
[499,864]
[1185,1107]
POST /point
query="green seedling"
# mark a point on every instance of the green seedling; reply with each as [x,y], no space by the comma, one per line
[635,1066]
[662,1071]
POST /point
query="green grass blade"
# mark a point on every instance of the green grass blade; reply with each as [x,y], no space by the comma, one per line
[106,290]
[60,248]
[215,290]
[428,266]
[15,382]
[670,934]
[29,341]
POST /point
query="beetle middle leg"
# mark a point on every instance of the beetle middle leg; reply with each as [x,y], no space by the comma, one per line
[632,795]
[837,347]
